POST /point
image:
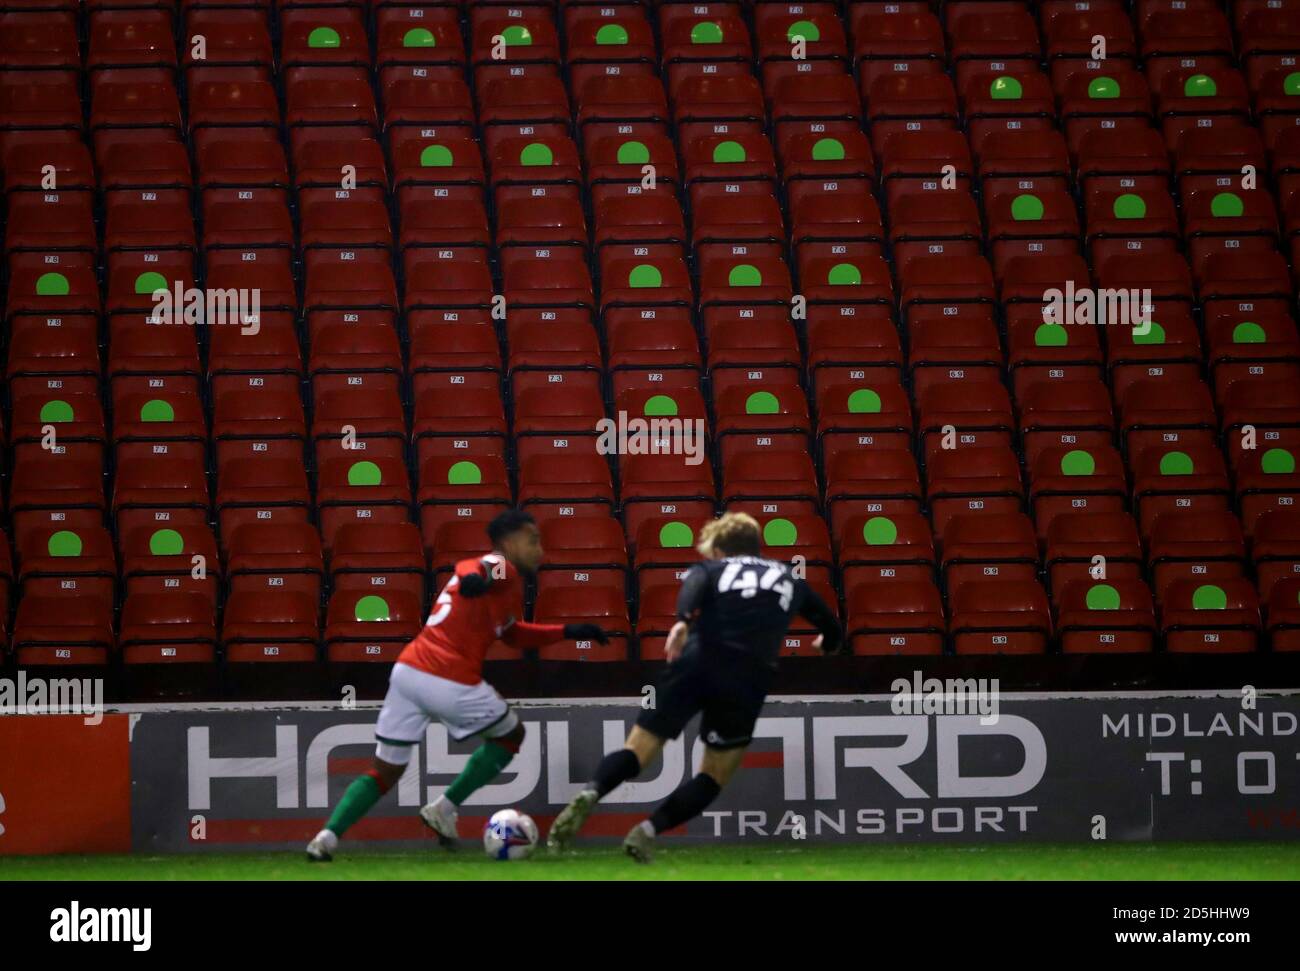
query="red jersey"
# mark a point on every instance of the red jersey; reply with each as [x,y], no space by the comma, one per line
[460,630]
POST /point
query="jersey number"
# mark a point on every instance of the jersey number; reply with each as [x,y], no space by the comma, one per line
[738,576]
[443,603]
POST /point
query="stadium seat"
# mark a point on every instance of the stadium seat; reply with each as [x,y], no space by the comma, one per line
[902,617]
[1206,546]
[63,631]
[877,548]
[172,560]
[988,546]
[377,557]
[592,555]
[363,627]
[276,557]
[55,562]
[168,628]
[584,604]
[1284,615]
[1111,617]
[270,626]
[1000,617]
[1212,618]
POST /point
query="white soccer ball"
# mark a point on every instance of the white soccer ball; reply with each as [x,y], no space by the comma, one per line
[510,835]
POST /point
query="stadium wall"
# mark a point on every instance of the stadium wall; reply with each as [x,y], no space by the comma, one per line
[1137,766]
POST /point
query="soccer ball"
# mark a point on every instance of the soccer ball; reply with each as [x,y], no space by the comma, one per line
[510,835]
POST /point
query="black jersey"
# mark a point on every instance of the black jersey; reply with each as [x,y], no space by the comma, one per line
[741,607]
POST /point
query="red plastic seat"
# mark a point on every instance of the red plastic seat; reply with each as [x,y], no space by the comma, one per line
[363,627]
[1275,547]
[373,490]
[555,480]
[270,626]
[172,559]
[261,490]
[772,414]
[592,557]
[992,30]
[323,36]
[664,485]
[54,561]
[1284,615]
[1171,412]
[1065,480]
[427,104]
[1166,479]
[1111,617]
[268,557]
[1000,617]
[585,604]
[27,42]
[168,628]
[903,617]
[801,539]
[368,420]
[981,546]
[783,479]
[252,423]
[1069,30]
[160,488]
[868,413]
[883,481]
[600,36]
[1211,618]
[972,479]
[452,488]
[873,548]
[63,631]
[656,614]
[1205,546]
[49,488]
[457,420]
[1065,412]
[238,38]
[1093,546]
[130,39]
[978,412]
[417,35]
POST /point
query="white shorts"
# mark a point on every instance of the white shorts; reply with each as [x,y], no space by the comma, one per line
[416,698]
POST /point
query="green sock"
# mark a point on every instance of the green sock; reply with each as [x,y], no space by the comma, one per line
[483,766]
[356,802]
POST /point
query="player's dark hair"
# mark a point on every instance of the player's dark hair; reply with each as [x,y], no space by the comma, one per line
[508,522]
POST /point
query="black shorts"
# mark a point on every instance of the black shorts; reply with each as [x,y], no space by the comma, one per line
[729,695]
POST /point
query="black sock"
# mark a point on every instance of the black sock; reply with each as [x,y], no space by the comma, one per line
[615,769]
[686,802]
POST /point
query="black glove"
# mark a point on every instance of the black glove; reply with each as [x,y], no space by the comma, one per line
[474,585]
[586,632]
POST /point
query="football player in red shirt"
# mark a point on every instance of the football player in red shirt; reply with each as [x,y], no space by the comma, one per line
[438,676]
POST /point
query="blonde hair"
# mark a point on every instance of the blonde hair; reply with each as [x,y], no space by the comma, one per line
[731,534]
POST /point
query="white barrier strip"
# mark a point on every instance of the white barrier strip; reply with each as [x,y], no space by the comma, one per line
[634,700]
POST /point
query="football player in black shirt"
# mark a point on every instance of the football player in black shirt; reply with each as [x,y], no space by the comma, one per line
[732,614]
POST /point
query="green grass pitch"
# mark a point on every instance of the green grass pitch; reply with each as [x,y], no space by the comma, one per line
[1105,861]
